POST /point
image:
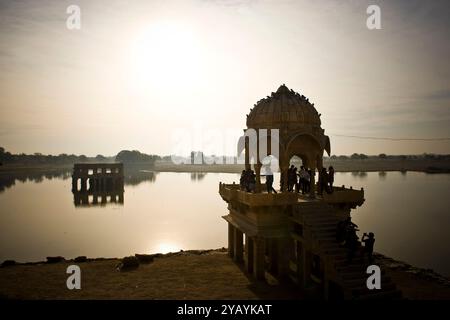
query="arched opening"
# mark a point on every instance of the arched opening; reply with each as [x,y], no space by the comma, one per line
[296,161]
[298,177]
[306,148]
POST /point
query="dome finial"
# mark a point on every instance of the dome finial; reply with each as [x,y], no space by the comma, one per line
[283,89]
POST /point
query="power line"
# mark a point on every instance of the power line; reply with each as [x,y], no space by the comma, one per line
[391,139]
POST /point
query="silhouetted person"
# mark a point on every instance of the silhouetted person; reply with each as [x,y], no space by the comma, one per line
[303,180]
[341,231]
[269,183]
[331,177]
[351,238]
[351,244]
[323,181]
[246,180]
[369,241]
[291,177]
[294,180]
[242,181]
[312,174]
[252,181]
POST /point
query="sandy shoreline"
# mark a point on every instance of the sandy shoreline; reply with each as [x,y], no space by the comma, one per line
[193,274]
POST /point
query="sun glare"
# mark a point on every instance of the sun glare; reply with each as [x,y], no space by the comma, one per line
[166,247]
[166,56]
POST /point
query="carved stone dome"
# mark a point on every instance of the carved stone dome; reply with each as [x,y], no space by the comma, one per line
[284,107]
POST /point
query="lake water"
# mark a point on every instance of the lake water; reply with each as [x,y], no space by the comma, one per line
[408,212]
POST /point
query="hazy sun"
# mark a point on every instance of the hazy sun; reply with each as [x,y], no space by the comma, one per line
[166,55]
[166,247]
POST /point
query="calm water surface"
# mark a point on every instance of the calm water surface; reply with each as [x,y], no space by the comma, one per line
[409,214]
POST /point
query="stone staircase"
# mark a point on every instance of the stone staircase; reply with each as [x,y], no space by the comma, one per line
[320,221]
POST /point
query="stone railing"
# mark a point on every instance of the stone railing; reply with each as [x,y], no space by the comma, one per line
[232,192]
[342,195]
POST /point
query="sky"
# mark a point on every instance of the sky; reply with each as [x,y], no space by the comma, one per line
[161,76]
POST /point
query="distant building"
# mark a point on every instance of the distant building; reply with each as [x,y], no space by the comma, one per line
[197,157]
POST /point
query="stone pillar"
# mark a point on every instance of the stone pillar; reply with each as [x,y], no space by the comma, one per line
[94,199]
[230,240]
[248,254]
[257,165]
[76,199]
[259,259]
[284,247]
[238,245]
[326,286]
[247,153]
[283,178]
[83,184]
[258,176]
[84,199]
[306,267]
[273,256]
[300,263]
[312,184]
[74,184]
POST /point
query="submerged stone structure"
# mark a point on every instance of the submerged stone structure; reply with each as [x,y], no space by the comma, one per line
[290,236]
[97,183]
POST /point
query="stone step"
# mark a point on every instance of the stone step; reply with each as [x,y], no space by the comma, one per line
[323,230]
[363,290]
[326,225]
[342,261]
[321,221]
[354,267]
[330,246]
[358,283]
[316,212]
[388,295]
[314,209]
[350,275]
[326,239]
[335,253]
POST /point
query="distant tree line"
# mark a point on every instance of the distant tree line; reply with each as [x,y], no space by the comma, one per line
[383,156]
[135,156]
[124,156]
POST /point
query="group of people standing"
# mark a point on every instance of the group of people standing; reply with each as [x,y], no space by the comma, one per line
[326,180]
[248,180]
[303,182]
[296,181]
[299,181]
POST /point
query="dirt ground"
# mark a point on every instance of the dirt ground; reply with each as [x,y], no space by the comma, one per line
[211,275]
[183,276]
